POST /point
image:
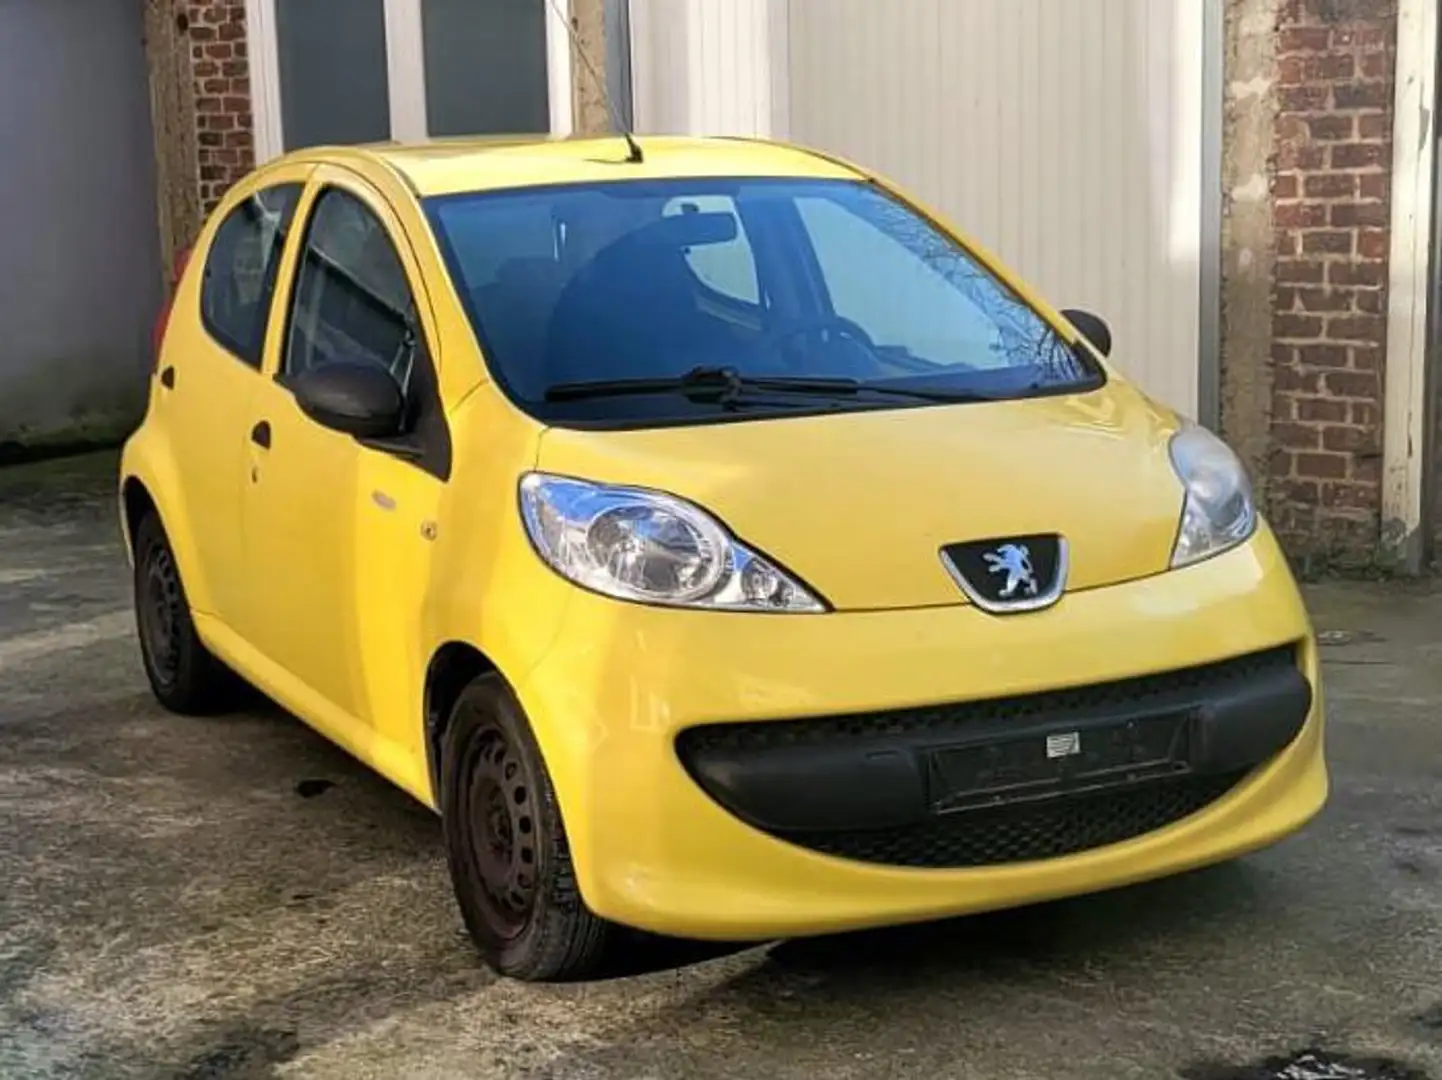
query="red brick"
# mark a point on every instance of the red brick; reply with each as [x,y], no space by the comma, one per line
[1356,273]
[1292,271]
[1330,186]
[1322,466]
[1342,496]
[1325,299]
[1327,242]
[1374,126]
[1374,186]
[1304,491]
[1347,439]
[1297,156]
[1376,66]
[1322,410]
[1349,384]
[1372,301]
[1304,98]
[1356,328]
[1361,95]
[1367,358]
[1294,380]
[1284,186]
[1373,243]
[1304,327]
[1297,436]
[1304,39]
[1352,215]
[1366,414]
[1331,356]
[1300,215]
[1359,155]
[1330,127]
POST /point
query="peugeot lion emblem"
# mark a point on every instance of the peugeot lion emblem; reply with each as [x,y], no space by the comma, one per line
[1013,560]
[1005,575]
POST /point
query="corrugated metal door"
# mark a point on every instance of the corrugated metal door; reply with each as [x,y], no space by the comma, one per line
[1065,136]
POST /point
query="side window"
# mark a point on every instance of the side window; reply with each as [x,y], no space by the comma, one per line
[239,281]
[899,298]
[352,303]
[729,268]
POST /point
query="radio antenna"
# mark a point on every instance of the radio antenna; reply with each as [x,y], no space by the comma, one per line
[633,155]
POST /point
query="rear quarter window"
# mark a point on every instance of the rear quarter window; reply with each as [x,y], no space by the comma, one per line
[240,269]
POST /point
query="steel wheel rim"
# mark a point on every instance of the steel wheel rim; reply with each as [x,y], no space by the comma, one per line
[160,614]
[500,816]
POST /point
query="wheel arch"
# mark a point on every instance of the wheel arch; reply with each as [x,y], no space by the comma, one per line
[135,502]
[148,483]
[453,666]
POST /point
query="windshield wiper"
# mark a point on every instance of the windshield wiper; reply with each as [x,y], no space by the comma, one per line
[728,384]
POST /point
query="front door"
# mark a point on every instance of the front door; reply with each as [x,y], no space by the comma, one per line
[337,532]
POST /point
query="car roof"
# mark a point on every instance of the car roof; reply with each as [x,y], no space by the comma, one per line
[452,166]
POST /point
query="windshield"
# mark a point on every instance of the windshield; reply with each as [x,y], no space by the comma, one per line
[773,279]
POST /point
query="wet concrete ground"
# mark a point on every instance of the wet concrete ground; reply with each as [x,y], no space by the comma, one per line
[234,899]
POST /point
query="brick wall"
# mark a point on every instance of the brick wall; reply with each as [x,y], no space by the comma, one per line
[1330,189]
[220,63]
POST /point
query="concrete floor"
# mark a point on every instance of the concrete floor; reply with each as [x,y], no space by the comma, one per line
[235,899]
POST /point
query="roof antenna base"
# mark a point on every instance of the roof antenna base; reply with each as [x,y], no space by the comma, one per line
[633,148]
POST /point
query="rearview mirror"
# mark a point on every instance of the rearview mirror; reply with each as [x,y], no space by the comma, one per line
[1092,327]
[360,399]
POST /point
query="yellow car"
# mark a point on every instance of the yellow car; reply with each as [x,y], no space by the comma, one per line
[721,544]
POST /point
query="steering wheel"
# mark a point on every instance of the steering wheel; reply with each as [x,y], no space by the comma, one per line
[827,329]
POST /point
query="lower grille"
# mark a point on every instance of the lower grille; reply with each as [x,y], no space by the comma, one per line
[1006,780]
[1022,833]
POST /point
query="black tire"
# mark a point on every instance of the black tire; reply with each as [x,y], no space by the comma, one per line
[183,674]
[506,846]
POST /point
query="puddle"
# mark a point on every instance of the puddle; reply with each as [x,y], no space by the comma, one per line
[245,1055]
[1336,638]
[1430,1020]
[1311,1064]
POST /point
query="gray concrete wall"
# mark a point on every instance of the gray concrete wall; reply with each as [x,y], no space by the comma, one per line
[80,274]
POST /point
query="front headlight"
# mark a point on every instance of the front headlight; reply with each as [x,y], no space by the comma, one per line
[650,547]
[1219,512]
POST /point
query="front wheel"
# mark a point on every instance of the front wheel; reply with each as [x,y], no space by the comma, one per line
[506,847]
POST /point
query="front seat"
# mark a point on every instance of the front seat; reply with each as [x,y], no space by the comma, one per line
[631,312]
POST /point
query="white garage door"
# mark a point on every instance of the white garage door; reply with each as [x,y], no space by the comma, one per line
[1066,136]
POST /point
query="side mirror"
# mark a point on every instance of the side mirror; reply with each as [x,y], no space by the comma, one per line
[1092,327]
[362,400]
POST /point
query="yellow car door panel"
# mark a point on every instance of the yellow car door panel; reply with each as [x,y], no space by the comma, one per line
[337,529]
[210,368]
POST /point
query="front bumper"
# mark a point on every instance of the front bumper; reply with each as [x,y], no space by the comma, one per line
[745,777]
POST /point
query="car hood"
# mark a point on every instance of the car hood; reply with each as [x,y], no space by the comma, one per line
[859,504]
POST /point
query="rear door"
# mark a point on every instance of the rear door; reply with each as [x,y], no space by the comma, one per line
[210,369]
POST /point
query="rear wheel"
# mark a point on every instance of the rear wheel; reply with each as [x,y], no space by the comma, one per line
[506,847]
[183,674]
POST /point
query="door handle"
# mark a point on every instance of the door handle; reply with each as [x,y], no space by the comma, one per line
[167,378]
[260,434]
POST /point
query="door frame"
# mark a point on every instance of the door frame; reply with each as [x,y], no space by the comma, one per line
[405,69]
[1406,438]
